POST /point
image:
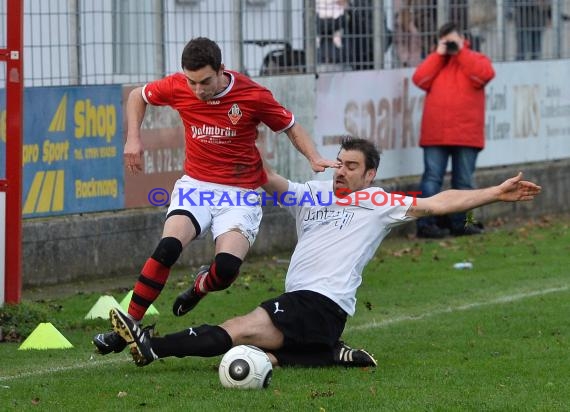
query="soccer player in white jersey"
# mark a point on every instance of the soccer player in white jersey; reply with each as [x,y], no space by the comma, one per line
[220,110]
[340,224]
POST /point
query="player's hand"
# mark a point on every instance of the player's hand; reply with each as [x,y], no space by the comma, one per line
[133,155]
[320,164]
[516,189]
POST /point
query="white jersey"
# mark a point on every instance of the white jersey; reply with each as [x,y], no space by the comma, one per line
[351,234]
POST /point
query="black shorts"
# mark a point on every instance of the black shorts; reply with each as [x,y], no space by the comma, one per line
[306,318]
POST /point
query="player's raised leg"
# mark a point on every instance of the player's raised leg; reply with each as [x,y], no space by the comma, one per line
[234,229]
[231,248]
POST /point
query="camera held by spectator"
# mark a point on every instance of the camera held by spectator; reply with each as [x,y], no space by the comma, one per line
[451,47]
[450,42]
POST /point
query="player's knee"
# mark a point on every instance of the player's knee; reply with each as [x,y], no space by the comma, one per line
[239,329]
[168,251]
[227,268]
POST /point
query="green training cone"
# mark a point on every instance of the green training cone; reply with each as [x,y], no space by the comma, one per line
[45,336]
[102,307]
[127,299]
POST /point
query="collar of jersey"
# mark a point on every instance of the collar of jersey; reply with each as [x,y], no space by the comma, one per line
[228,87]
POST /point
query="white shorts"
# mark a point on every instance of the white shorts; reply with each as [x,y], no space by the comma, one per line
[220,208]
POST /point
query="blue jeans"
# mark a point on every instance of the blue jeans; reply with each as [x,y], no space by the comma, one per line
[463,161]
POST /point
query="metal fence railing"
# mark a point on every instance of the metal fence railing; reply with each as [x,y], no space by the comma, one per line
[71,42]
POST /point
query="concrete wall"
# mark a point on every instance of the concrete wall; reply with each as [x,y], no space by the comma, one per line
[80,247]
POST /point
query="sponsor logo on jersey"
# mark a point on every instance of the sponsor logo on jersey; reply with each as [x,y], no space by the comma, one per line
[212,102]
[215,134]
[326,216]
[234,114]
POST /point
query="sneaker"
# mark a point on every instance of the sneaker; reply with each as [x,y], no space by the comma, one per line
[432,232]
[188,299]
[346,356]
[106,343]
[130,331]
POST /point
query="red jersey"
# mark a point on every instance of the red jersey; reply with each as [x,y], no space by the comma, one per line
[220,133]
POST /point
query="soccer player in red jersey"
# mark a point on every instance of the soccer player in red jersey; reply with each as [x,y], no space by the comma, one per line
[220,110]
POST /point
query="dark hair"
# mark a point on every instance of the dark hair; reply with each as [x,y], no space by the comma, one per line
[201,52]
[447,28]
[367,148]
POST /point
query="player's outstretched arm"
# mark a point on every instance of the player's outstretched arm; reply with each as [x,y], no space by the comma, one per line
[276,184]
[304,144]
[452,201]
[135,111]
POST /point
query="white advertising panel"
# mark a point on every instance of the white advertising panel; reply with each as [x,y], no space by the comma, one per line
[527,115]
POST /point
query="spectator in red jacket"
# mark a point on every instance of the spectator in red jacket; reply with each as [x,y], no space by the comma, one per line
[453,122]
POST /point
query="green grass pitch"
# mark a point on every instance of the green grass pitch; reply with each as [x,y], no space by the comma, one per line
[493,338]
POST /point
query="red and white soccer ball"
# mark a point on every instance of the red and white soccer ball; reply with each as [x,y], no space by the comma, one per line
[245,367]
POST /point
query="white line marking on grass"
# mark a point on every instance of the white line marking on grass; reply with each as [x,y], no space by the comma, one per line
[370,325]
[47,371]
[501,299]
